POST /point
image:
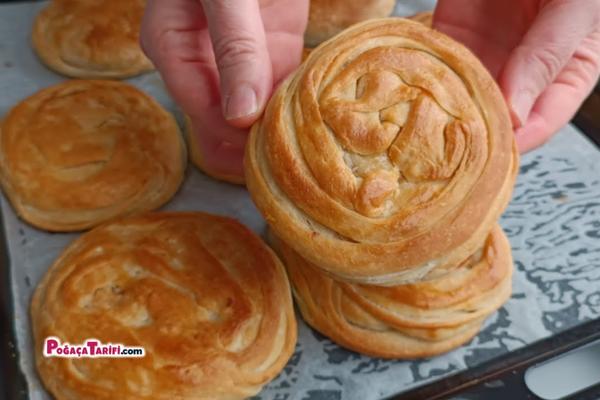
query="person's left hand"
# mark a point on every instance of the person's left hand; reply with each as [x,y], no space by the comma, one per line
[220,60]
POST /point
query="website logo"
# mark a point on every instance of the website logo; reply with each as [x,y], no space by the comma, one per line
[92,348]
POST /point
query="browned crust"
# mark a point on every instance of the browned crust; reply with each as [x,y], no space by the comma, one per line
[409,243]
[205,297]
[82,152]
[327,18]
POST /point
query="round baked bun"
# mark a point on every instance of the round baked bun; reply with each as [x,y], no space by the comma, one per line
[387,154]
[208,301]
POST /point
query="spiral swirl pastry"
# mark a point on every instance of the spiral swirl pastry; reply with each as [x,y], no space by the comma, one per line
[82,152]
[388,153]
[405,321]
[206,298]
[91,39]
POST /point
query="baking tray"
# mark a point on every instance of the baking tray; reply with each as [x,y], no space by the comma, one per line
[553,223]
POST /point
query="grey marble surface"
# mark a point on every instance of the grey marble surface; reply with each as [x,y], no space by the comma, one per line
[553,222]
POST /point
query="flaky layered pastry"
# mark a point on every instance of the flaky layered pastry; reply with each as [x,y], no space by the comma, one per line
[387,154]
[406,321]
[326,18]
[82,152]
[91,39]
[206,298]
[196,157]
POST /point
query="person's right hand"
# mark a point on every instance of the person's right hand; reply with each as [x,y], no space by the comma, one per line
[220,60]
[545,55]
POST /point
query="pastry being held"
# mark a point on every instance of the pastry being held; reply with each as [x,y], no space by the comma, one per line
[200,94]
[387,154]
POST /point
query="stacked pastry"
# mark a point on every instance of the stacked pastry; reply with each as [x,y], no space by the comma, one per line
[383,165]
[419,319]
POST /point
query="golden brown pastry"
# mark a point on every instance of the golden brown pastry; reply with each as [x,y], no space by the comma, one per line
[327,18]
[91,39]
[407,321]
[387,154]
[83,152]
[195,151]
[206,298]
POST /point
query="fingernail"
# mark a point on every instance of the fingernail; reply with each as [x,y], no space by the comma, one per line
[241,102]
[520,105]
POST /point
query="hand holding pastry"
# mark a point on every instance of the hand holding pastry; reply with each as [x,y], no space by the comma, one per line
[387,154]
[215,54]
[545,55]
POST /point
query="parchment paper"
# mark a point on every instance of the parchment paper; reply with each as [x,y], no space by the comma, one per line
[553,223]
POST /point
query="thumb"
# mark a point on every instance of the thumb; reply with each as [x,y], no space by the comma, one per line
[239,44]
[544,51]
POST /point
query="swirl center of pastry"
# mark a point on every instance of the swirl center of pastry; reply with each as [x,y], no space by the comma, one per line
[150,283]
[402,121]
